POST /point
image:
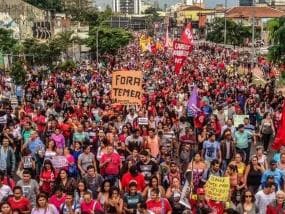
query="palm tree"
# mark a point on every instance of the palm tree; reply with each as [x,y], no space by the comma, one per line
[65,40]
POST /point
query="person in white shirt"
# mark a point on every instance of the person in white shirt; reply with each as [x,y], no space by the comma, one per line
[264,197]
[5,190]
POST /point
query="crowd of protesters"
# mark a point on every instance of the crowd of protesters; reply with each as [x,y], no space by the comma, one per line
[66,148]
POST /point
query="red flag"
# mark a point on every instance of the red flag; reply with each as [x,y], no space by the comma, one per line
[280,137]
[180,53]
[187,35]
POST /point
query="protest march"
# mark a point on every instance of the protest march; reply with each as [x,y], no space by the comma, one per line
[180,129]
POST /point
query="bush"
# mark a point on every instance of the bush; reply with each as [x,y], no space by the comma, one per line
[68,65]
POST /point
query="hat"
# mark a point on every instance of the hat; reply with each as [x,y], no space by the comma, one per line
[200,191]
[273,161]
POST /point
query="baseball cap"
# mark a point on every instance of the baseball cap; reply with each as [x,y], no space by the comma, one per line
[273,161]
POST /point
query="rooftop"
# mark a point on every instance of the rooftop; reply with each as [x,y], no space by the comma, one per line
[257,12]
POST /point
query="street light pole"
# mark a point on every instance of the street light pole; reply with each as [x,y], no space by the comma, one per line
[225,31]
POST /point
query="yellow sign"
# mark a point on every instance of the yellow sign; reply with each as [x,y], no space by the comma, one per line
[127,87]
[145,42]
[217,188]
[238,119]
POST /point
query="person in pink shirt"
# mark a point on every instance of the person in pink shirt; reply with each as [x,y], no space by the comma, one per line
[110,164]
[89,205]
[58,198]
[58,138]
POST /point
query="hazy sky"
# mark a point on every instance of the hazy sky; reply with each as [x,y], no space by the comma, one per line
[209,3]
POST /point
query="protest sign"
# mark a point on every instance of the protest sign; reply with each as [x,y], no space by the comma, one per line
[184,199]
[59,162]
[180,53]
[143,121]
[217,188]
[127,87]
[238,119]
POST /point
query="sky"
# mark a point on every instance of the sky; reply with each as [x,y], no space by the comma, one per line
[209,3]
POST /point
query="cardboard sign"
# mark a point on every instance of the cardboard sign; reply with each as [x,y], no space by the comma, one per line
[180,53]
[59,162]
[127,87]
[143,121]
[238,119]
[218,188]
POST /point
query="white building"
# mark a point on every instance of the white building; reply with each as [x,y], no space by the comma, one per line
[193,2]
[127,6]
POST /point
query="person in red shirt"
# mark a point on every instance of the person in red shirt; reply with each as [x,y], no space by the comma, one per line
[133,176]
[110,164]
[58,198]
[200,203]
[40,121]
[158,205]
[90,206]
[19,202]
[278,205]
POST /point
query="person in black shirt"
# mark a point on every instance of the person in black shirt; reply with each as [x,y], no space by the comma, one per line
[147,166]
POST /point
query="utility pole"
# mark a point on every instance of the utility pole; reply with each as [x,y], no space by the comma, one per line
[225,30]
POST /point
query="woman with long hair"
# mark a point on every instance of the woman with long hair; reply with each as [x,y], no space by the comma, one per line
[104,192]
[174,188]
[247,204]
[47,177]
[79,192]
[43,207]
[197,165]
[5,208]
[63,181]
[154,184]
[267,130]
[253,174]
[238,162]
[114,203]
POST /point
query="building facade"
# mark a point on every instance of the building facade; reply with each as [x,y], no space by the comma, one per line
[127,6]
[82,4]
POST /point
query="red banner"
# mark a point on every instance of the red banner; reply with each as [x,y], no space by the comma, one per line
[187,35]
[180,53]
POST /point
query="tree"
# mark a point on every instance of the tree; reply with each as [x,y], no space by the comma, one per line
[18,73]
[53,5]
[64,40]
[7,42]
[236,33]
[91,17]
[110,39]
[276,29]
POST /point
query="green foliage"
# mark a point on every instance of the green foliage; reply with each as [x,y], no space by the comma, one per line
[68,65]
[64,40]
[18,73]
[110,39]
[90,17]
[236,33]
[153,15]
[53,5]
[7,42]
[35,52]
[276,29]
